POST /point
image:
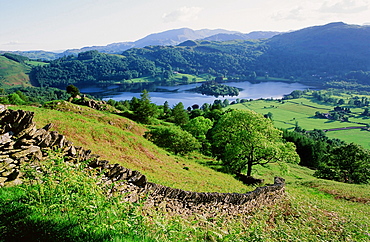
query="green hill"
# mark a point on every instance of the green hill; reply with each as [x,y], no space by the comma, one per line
[313,210]
[13,74]
[15,69]
[120,140]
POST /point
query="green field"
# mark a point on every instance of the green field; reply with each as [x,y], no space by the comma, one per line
[301,111]
[177,78]
[13,74]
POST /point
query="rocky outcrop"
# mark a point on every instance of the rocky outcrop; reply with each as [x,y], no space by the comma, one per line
[21,141]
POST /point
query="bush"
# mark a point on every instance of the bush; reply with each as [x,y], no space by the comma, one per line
[173,139]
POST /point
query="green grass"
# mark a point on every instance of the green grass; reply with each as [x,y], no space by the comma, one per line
[314,210]
[302,111]
[36,63]
[61,202]
[177,77]
[361,137]
[13,74]
[120,140]
[74,209]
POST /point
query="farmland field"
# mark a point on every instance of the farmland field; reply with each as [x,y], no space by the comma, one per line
[287,114]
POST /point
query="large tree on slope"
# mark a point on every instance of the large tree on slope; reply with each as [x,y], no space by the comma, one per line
[244,139]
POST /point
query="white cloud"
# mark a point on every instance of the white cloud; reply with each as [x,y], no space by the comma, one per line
[345,6]
[13,43]
[296,13]
[184,14]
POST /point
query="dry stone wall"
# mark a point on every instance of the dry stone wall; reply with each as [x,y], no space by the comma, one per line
[21,142]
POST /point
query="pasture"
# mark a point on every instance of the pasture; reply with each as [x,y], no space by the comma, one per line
[286,114]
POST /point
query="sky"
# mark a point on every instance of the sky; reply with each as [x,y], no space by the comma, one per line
[55,25]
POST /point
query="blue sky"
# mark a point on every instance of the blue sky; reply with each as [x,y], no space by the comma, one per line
[66,24]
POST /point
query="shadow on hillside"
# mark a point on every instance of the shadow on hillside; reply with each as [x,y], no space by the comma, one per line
[213,164]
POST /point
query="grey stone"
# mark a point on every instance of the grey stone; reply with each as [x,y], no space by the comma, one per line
[6,138]
[2,108]
[3,180]
[7,173]
[48,127]
[30,150]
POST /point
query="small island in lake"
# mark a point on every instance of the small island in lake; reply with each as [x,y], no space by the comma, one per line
[213,88]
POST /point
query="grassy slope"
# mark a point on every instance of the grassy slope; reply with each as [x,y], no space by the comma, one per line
[13,74]
[316,210]
[120,140]
[323,206]
[285,115]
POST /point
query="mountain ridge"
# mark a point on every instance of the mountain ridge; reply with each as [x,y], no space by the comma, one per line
[165,38]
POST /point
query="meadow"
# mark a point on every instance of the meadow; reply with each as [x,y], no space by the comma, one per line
[15,74]
[286,114]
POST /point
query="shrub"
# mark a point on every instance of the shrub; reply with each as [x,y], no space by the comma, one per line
[173,139]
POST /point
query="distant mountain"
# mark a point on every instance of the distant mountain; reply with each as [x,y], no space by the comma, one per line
[312,55]
[176,36]
[331,38]
[240,36]
[331,48]
[170,37]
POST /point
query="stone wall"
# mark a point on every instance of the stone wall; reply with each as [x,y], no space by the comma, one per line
[20,142]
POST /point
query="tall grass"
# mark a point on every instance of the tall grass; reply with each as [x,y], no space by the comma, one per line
[61,201]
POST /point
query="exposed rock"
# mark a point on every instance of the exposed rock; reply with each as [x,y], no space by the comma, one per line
[2,108]
[32,150]
[6,138]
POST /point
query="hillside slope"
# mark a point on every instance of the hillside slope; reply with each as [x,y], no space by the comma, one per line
[13,74]
[120,140]
[314,209]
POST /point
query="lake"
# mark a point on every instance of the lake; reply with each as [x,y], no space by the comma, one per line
[176,94]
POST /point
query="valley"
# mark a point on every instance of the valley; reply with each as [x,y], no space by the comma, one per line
[298,114]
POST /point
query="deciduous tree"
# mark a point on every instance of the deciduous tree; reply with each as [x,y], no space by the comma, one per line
[245,138]
[348,163]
